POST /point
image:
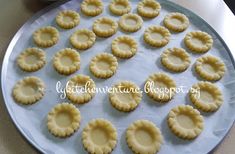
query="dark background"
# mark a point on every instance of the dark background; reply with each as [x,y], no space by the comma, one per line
[231,5]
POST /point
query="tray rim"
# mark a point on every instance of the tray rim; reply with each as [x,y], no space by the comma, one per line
[17,35]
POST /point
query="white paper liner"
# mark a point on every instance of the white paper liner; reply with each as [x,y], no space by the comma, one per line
[32,119]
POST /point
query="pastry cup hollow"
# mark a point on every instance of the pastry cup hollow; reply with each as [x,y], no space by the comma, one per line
[80,89]
[68,19]
[210,68]
[63,120]
[143,137]
[185,122]
[66,61]
[148,8]
[157,36]
[29,90]
[99,136]
[124,47]
[32,59]
[120,7]
[103,65]
[160,87]
[92,7]
[176,22]
[175,59]
[83,39]
[105,27]
[206,96]
[130,22]
[125,96]
[46,36]
[198,41]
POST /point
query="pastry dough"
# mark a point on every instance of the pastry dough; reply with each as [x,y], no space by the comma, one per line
[68,19]
[160,87]
[175,59]
[103,65]
[206,96]
[125,96]
[148,8]
[32,59]
[124,47]
[29,90]
[210,68]
[176,21]
[92,7]
[63,120]
[185,122]
[157,36]
[143,137]
[46,36]
[99,136]
[198,41]
[82,39]
[130,22]
[105,27]
[120,7]
[66,61]
[80,89]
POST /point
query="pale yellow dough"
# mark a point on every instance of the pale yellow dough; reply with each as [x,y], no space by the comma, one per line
[120,7]
[125,96]
[82,39]
[198,41]
[157,36]
[176,21]
[46,36]
[29,90]
[210,68]
[160,87]
[124,47]
[92,7]
[80,89]
[206,96]
[148,8]
[185,122]
[105,27]
[175,59]
[68,19]
[130,22]
[103,65]
[143,137]
[66,61]
[63,120]
[99,137]
[32,59]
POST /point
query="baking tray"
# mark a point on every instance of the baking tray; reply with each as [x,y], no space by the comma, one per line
[31,120]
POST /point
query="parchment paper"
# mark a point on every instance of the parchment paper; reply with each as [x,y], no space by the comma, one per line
[32,119]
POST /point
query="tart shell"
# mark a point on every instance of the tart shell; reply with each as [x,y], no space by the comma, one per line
[180,127]
[125,96]
[143,137]
[63,120]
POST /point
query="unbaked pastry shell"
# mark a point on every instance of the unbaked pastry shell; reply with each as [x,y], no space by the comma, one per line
[99,136]
[63,120]
[175,59]
[157,36]
[143,137]
[66,61]
[103,65]
[32,59]
[185,122]
[206,96]
[128,98]
[29,90]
